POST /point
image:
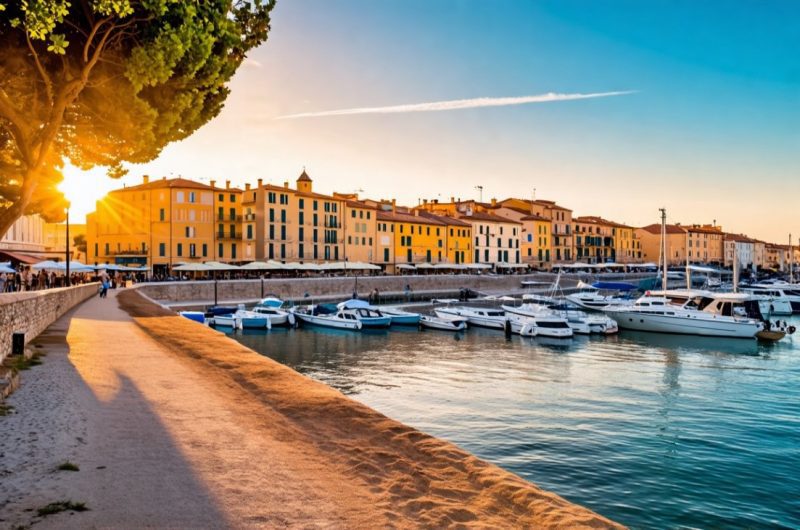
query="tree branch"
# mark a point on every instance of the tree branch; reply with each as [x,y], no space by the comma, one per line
[91,37]
[48,85]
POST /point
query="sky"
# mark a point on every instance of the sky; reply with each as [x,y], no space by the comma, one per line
[705,122]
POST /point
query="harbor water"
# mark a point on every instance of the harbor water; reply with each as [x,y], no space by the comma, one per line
[653,431]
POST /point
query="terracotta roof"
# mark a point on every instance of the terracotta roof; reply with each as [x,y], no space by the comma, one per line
[593,219]
[359,204]
[703,230]
[399,217]
[540,202]
[656,229]
[444,219]
[740,238]
[167,183]
[534,217]
[304,177]
[481,216]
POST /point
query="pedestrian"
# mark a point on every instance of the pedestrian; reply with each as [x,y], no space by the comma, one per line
[104,280]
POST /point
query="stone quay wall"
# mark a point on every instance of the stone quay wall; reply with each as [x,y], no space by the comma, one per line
[33,311]
[170,293]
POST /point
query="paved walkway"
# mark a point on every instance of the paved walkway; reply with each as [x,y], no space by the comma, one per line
[157,443]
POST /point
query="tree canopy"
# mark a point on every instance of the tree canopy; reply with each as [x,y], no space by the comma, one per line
[109,82]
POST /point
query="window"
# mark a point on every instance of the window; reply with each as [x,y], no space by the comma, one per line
[162,214]
[233,251]
[316,207]
[353,214]
[301,219]
[233,197]
[250,231]
[283,216]
[191,196]
[205,250]
[162,249]
[386,254]
[180,249]
[301,203]
[272,215]
[221,197]
[300,234]
[192,250]
[220,251]
[179,197]
[232,213]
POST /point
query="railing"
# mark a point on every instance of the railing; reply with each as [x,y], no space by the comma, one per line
[136,252]
[250,217]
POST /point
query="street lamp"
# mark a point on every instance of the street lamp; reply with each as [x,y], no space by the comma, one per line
[67,256]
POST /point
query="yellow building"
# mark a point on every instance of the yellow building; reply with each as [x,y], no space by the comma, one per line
[159,224]
[360,226]
[650,238]
[55,241]
[561,242]
[228,219]
[293,224]
[599,240]
[705,244]
[418,238]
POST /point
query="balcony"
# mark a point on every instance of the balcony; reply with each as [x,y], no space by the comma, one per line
[232,218]
[250,217]
[222,236]
[129,252]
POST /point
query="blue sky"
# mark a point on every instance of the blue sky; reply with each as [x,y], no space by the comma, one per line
[712,132]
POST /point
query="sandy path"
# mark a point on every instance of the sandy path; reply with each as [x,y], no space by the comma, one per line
[175,450]
[175,425]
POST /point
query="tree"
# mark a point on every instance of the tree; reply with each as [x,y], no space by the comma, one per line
[79,242]
[109,82]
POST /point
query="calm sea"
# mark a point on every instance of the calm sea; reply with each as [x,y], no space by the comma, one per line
[653,431]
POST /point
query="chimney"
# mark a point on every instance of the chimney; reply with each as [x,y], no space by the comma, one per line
[416,213]
[286,184]
[145,179]
[227,184]
[394,205]
[452,199]
[212,183]
[260,182]
[247,186]
[424,201]
[494,202]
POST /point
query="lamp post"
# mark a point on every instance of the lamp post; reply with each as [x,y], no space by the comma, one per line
[67,253]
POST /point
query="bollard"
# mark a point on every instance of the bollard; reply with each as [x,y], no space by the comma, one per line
[17,343]
[507,328]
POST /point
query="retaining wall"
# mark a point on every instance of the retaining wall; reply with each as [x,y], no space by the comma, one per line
[296,288]
[32,312]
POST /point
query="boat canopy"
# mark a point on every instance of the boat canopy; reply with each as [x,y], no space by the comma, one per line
[353,304]
[614,286]
[271,301]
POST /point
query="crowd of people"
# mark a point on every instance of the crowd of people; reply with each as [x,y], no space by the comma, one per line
[28,279]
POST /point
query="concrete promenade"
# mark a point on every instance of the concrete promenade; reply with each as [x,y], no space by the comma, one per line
[162,440]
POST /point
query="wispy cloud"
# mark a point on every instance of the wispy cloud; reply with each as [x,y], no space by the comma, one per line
[457,104]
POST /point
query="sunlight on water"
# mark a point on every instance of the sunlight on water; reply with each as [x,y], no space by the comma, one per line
[654,431]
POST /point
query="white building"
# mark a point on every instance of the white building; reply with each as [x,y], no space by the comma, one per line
[744,248]
[25,240]
[496,238]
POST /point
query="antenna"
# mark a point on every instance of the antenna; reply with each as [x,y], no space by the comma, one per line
[480,190]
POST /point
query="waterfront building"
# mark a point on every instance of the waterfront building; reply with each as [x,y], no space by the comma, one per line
[594,239]
[705,244]
[650,238]
[157,223]
[417,238]
[360,227]
[287,224]
[535,235]
[228,219]
[24,242]
[776,256]
[55,241]
[743,246]
[457,238]
[562,243]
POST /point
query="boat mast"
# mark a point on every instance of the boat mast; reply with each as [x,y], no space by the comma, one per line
[688,267]
[735,268]
[791,260]
[664,247]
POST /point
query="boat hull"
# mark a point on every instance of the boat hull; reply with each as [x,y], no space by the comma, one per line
[684,325]
[473,320]
[329,322]
[443,324]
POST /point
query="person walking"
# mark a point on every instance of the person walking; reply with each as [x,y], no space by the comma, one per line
[104,280]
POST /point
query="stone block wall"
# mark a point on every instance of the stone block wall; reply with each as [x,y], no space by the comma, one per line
[32,312]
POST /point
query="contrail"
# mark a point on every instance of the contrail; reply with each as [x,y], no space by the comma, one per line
[457,104]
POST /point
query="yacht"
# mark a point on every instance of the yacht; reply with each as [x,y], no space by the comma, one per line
[594,301]
[475,316]
[539,324]
[580,321]
[326,315]
[782,291]
[691,313]
[443,324]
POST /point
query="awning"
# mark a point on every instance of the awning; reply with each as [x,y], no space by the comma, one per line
[17,256]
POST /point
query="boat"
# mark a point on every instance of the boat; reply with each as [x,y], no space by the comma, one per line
[226,321]
[326,315]
[443,324]
[197,316]
[689,312]
[475,316]
[784,297]
[400,317]
[595,301]
[580,321]
[221,310]
[543,323]
[271,306]
[252,319]
[370,317]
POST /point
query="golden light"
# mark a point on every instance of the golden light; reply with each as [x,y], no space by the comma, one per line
[84,188]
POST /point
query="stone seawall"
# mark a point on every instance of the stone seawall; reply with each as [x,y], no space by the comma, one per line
[296,288]
[32,312]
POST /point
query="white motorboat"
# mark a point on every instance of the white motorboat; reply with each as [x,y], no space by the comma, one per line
[400,317]
[783,298]
[370,317]
[443,324]
[226,321]
[252,320]
[691,313]
[327,316]
[580,321]
[475,316]
[543,323]
[277,317]
[595,301]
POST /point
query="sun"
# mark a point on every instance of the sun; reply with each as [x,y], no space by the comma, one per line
[84,188]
